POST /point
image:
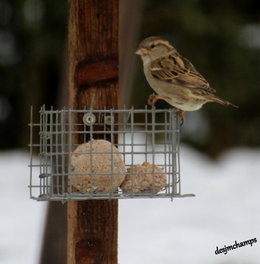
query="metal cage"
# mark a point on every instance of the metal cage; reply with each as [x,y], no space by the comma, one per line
[104,154]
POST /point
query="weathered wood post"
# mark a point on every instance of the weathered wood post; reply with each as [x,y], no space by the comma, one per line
[93,70]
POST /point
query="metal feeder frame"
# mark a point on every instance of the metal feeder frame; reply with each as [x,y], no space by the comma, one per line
[141,135]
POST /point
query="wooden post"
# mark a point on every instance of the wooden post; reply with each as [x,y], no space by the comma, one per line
[93,70]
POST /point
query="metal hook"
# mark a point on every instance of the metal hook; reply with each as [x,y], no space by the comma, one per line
[89,118]
[92,102]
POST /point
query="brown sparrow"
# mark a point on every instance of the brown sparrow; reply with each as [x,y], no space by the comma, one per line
[174,78]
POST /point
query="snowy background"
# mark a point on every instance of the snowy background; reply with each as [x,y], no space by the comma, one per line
[226,208]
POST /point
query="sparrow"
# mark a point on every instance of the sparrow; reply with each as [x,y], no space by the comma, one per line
[174,78]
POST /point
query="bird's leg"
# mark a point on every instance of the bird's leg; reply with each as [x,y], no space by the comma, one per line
[181,116]
[153,98]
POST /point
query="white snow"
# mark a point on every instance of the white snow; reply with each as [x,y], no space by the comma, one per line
[226,208]
[22,219]
[188,230]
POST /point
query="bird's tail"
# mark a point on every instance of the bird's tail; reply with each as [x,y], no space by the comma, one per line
[219,100]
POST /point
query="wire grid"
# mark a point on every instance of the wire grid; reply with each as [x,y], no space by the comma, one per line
[141,135]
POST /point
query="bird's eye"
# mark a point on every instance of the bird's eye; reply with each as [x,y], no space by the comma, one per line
[152,46]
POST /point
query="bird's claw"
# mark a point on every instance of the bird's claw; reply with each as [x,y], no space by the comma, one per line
[152,99]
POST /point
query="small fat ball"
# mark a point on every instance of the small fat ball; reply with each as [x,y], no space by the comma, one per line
[144,178]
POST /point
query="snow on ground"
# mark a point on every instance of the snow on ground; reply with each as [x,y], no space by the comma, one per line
[188,230]
[22,219]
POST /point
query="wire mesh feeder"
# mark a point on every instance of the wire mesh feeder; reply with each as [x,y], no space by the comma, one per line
[105,154]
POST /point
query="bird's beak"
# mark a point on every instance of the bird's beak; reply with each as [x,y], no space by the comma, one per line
[142,52]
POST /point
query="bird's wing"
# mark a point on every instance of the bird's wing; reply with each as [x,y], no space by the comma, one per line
[178,70]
